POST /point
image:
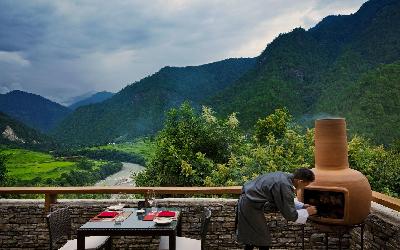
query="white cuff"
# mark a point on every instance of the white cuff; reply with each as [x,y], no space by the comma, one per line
[298,205]
[302,216]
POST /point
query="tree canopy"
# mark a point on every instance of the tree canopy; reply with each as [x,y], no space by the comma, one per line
[199,149]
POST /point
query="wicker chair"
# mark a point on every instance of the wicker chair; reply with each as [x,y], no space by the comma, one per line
[59,225]
[183,243]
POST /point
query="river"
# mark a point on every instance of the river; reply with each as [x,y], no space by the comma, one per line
[123,177]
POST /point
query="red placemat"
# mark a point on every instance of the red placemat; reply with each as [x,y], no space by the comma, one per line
[166,214]
[124,215]
[107,214]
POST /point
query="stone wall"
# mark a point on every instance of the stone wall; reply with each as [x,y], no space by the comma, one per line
[23,226]
[382,230]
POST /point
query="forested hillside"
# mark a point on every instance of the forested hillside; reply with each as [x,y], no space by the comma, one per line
[139,108]
[314,72]
[33,110]
[373,103]
[14,133]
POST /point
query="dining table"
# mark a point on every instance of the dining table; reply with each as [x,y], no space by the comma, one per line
[133,223]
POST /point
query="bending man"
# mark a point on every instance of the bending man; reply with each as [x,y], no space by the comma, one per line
[266,193]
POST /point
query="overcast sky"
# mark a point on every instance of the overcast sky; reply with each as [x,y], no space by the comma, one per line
[60,49]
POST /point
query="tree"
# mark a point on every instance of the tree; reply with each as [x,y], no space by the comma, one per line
[275,125]
[3,170]
[380,166]
[190,146]
[85,164]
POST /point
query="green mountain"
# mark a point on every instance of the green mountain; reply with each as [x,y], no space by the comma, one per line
[139,108]
[33,110]
[15,133]
[95,98]
[315,72]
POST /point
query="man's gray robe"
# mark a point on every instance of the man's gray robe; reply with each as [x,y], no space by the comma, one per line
[269,192]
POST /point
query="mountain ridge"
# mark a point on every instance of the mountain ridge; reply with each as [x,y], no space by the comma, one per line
[138,109]
[32,109]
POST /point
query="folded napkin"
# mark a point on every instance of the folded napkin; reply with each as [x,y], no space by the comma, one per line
[149,216]
[166,214]
[107,214]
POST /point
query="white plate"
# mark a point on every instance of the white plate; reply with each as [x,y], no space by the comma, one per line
[162,220]
[116,207]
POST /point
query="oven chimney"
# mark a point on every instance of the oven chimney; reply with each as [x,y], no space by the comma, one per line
[331,144]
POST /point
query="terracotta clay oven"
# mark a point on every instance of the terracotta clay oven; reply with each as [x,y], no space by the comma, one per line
[342,195]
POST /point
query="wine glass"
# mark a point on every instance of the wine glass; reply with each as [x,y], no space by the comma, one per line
[122,199]
[118,220]
[152,201]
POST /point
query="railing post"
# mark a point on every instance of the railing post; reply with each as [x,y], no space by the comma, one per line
[48,200]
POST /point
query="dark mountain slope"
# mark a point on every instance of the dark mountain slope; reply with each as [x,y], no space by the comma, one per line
[373,104]
[33,110]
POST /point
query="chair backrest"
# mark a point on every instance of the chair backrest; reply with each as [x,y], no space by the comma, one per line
[59,225]
[204,225]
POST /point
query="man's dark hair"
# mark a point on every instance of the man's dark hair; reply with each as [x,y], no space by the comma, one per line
[304,174]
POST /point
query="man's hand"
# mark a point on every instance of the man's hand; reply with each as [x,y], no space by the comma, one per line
[311,210]
[306,205]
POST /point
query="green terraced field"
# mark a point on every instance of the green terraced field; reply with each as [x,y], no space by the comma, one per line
[26,165]
[29,167]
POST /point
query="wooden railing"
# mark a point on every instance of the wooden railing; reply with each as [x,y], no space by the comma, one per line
[52,192]
[386,200]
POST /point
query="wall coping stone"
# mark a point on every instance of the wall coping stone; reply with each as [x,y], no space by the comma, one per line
[386,214]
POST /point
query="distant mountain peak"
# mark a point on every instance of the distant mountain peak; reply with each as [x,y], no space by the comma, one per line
[95,98]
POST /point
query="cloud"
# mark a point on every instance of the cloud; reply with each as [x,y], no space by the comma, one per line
[13,58]
[64,48]
[5,88]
